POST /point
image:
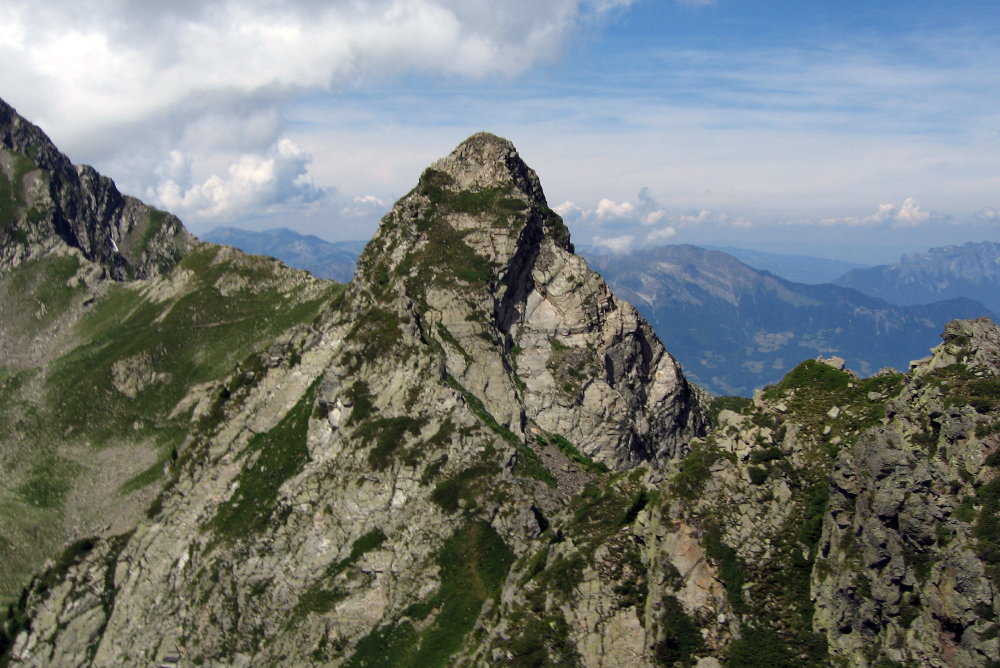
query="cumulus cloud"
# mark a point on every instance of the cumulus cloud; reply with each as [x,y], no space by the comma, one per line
[122,83]
[252,185]
[903,215]
[607,209]
[569,211]
[661,234]
[114,61]
[645,218]
[620,244]
[363,206]
[988,215]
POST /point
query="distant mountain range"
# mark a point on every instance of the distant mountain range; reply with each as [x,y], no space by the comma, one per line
[971,270]
[322,259]
[735,328]
[798,268]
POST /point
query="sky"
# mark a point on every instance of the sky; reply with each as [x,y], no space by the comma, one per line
[852,130]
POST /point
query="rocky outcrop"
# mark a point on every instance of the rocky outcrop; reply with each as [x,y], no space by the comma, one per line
[476,257]
[44,198]
[909,566]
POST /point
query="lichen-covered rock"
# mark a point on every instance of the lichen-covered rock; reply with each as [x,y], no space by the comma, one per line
[909,562]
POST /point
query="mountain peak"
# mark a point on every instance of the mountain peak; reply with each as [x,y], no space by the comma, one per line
[485,160]
[47,199]
[474,260]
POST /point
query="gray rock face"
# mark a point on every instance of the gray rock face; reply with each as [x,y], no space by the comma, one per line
[364,491]
[910,567]
[44,197]
[482,264]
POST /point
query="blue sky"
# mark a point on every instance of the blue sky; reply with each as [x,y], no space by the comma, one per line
[848,129]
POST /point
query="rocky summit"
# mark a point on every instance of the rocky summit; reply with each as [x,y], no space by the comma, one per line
[474,454]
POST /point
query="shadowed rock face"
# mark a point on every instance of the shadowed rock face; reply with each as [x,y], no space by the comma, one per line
[44,197]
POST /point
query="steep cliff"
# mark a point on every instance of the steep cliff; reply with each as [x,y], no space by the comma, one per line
[44,198]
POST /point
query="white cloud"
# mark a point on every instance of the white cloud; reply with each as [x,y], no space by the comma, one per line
[661,234]
[988,214]
[569,211]
[910,214]
[253,185]
[906,214]
[363,206]
[703,216]
[95,62]
[653,217]
[615,244]
[608,209]
[369,200]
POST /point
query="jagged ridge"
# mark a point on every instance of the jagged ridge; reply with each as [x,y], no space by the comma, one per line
[44,197]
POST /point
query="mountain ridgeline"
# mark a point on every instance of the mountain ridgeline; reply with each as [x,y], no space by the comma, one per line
[735,329]
[970,270]
[474,454]
[732,327]
[322,259]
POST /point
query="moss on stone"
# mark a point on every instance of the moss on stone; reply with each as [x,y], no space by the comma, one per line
[277,455]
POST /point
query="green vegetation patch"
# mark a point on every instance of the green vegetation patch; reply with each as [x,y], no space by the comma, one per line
[813,388]
[40,291]
[731,568]
[48,481]
[987,528]
[359,394]
[681,636]
[320,599]
[962,387]
[573,453]
[377,330]
[12,200]
[387,435]
[473,564]
[497,202]
[165,348]
[280,454]
[695,470]
[602,510]
[528,463]
[760,646]
[463,487]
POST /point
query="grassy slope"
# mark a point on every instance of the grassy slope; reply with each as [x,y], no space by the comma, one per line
[50,414]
